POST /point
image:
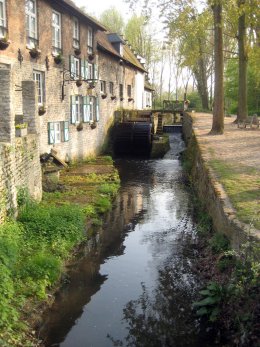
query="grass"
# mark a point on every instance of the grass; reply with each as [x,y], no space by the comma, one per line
[34,249]
[242,185]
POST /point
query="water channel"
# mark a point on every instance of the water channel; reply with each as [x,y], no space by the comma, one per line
[134,286]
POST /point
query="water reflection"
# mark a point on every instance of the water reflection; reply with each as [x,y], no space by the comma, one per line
[134,282]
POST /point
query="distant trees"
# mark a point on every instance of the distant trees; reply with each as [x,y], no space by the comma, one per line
[113,20]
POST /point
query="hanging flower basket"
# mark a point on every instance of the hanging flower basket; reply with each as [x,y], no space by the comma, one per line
[77,51]
[130,99]
[4,43]
[35,53]
[41,110]
[121,99]
[79,82]
[91,56]
[121,62]
[80,126]
[113,97]
[58,59]
[93,125]
[103,96]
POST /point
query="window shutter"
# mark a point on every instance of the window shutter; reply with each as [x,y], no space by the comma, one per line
[83,69]
[72,66]
[95,72]
[73,109]
[86,69]
[97,109]
[66,131]
[51,133]
[86,113]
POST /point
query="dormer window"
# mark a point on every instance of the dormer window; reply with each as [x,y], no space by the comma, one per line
[3,25]
[75,33]
[56,32]
[90,40]
[31,23]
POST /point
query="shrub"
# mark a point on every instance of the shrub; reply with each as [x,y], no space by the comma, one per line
[219,243]
[103,204]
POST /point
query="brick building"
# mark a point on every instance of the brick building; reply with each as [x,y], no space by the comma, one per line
[55,44]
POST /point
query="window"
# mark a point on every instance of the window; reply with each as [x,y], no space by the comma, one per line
[56,32]
[58,132]
[38,77]
[111,88]
[31,23]
[75,69]
[103,88]
[84,109]
[78,103]
[75,33]
[121,91]
[90,40]
[129,90]
[2,19]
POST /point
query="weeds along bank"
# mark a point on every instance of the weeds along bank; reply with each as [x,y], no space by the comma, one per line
[35,248]
[228,261]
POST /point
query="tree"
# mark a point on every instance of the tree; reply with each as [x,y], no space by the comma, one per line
[113,20]
[218,109]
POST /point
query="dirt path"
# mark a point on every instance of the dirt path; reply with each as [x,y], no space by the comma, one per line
[235,145]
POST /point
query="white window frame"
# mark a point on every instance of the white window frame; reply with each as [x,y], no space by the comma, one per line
[31,34]
[3,21]
[57,132]
[90,71]
[92,108]
[129,91]
[39,78]
[75,32]
[77,67]
[90,40]
[56,33]
[111,88]
[79,109]
[103,88]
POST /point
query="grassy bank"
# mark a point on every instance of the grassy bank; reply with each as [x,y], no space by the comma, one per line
[35,248]
[228,303]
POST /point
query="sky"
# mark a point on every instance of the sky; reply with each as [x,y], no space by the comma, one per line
[96,7]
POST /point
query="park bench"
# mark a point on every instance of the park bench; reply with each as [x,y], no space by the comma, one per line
[252,122]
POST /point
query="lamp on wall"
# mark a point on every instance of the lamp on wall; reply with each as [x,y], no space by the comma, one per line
[20,56]
[69,77]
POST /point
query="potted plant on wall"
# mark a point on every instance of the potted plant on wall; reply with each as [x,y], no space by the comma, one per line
[41,110]
[91,56]
[93,125]
[4,43]
[21,130]
[35,52]
[103,96]
[79,82]
[130,99]
[80,126]
[58,58]
[113,97]
[77,51]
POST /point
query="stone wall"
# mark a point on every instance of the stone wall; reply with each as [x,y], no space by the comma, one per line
[211,192]
[19,169]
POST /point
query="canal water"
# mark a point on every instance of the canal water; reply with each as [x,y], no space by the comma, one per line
[134,286]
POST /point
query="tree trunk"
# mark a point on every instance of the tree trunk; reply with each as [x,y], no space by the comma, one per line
[200,74]
[218,108]
[242,75]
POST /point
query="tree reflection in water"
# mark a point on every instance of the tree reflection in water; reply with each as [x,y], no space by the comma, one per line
[164,317]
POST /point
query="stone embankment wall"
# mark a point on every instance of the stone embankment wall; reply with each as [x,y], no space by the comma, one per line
[211,192]
[19,170]
[20,167]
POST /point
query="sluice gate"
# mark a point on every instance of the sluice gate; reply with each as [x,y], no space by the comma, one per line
[132,137]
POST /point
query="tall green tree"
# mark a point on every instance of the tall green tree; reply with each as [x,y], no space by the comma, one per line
[113,20]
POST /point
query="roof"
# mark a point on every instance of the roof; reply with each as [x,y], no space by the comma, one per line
[128,56]
[114,38]
[72,6]
[148,86]
[105,44]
